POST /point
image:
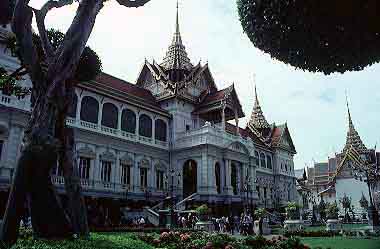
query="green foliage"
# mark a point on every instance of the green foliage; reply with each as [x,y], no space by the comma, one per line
[322,209]
[292,210]
[332,210]
[89,65]
[260,212]
[363,202]
[328,36]
[96,241]
[202,210]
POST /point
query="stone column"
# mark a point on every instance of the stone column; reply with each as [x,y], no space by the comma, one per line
[203,185]
[136,176]
[137,124]
[211,176]
[79,106]
[153,130]
[237,123]
[97,168]
[119,119]
[116,177]
[100,116]
[224,118]
[228,186]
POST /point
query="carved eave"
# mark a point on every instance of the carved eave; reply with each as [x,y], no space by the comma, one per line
[282,139]
[212,105]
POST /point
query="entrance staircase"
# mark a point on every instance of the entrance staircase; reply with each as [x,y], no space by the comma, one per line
[152,213]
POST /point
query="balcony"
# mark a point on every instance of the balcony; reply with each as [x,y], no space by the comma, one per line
[14,102]
[111,188]
[209,134]
[116,133]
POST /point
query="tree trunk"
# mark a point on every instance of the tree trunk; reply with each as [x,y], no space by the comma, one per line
[77,207]
[33,176]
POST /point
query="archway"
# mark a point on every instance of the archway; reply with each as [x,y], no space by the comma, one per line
[189,178]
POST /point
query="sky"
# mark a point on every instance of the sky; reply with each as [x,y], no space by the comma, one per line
[312,104]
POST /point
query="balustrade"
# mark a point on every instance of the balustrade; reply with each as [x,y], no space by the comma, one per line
[115,132]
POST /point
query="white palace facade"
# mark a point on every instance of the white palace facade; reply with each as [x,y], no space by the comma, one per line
[173,130]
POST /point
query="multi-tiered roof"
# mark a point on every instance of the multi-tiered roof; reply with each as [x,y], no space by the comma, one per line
[353,139]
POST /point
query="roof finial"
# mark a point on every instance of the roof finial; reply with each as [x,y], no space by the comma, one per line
[350,124]
[177,36]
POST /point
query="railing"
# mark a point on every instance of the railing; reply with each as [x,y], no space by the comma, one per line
[15,102]
[209,134]
[115,133]
[112,188]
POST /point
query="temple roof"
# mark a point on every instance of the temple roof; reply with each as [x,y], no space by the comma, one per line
[215,100]
[353,139]
[258,120]
[176,56]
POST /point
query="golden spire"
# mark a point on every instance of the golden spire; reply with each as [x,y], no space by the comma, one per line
[258,120]
[176,56]
[353,139]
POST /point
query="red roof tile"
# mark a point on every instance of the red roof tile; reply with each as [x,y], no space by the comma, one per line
[126,87]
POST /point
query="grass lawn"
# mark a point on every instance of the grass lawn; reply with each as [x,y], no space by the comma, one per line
[342,243]
[96,241]
[345,227]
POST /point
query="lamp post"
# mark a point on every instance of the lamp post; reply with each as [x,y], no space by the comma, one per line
[247,186]
[172,174]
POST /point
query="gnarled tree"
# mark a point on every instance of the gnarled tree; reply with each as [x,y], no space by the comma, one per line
[46,138]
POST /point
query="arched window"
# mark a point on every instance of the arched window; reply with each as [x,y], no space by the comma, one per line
[72,111]
[269,162]
[257,159]
[160,130]
[262,159]
[217,178]
[145,126]
[110,115]
[128,121]
[89,110]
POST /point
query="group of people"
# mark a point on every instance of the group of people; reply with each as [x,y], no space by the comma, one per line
[234,224]
[187,222]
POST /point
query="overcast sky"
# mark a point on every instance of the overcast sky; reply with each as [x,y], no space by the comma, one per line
[313,105]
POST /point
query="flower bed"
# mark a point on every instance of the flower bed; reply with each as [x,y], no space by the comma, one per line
[203,240]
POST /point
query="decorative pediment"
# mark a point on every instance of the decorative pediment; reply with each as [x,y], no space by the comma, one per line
[238,147]
[126,159]
[160,166]
[108,156]
[86,151]
[144,163]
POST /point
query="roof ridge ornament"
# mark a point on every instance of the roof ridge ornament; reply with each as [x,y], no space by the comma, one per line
[258,119]
[176,56]
[353,138]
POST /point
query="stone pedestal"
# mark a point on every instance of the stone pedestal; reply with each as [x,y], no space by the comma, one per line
[293,225]
[333,225]
[207,226]
[266,229]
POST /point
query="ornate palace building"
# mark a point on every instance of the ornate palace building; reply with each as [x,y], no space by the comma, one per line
[333,179]
[173,132]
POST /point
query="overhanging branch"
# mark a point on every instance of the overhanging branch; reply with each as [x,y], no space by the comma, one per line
[133,3]
[40,19]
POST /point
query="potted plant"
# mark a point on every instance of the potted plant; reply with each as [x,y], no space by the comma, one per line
[293,222]
[333,224]
[203,212]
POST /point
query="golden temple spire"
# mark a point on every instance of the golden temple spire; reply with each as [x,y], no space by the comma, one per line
[176,56]
[353,139]
[258,120]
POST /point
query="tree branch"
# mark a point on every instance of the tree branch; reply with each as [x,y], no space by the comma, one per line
[40,18]
[69,52]
[22,28]
[133,3]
